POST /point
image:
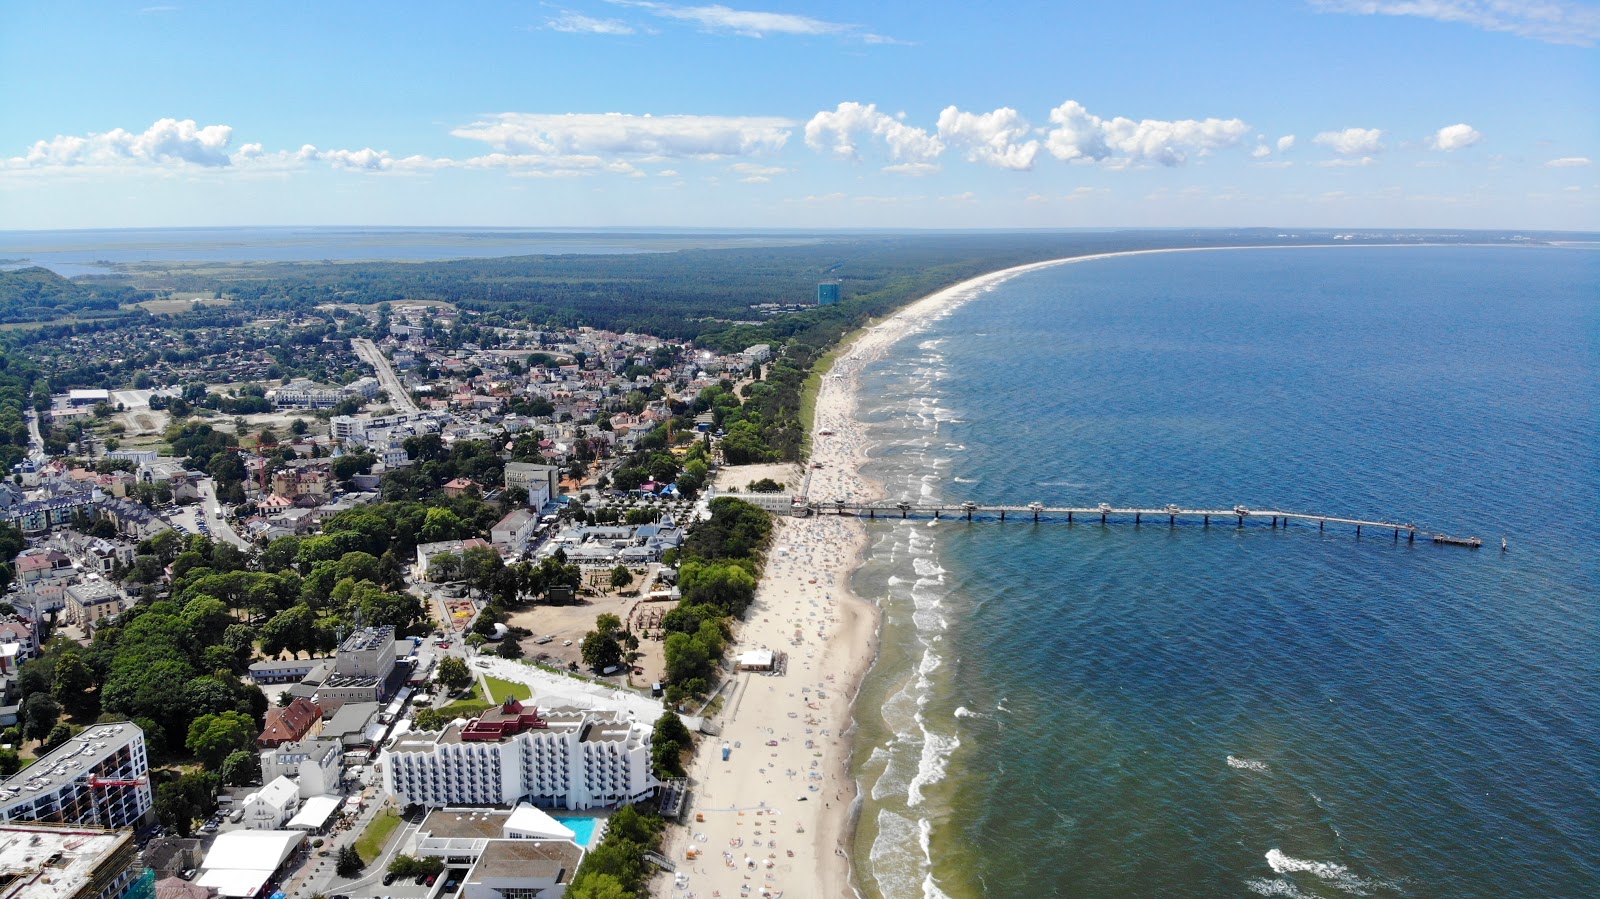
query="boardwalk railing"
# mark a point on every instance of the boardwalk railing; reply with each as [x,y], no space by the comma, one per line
[1106,513]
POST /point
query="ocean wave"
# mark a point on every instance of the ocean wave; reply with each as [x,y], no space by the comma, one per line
[1244,764]
[1329,872]
[964,712]
[1261,886]
[936,751]
[895,863]
[925,567]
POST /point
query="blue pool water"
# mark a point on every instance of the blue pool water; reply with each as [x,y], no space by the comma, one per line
[583,828]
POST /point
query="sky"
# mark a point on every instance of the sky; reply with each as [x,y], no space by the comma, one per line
[777,114]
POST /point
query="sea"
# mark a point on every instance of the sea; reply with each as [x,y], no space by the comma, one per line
[1202,711]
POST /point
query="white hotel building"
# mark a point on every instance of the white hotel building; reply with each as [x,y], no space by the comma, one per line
[562,758]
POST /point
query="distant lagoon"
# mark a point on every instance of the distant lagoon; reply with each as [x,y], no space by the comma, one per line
[74,253]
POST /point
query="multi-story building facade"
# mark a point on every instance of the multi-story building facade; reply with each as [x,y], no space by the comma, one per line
[100,778]
[89,602]
[315,766]
[562,758]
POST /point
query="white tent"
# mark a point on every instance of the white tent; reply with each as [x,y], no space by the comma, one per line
[240,861]
[314,813]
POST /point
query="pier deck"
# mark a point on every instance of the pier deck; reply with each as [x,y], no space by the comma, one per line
[1105,514]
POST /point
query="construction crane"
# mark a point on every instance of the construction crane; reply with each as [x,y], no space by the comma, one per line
[257,451]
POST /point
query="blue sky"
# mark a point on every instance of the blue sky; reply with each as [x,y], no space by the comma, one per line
[1298,113]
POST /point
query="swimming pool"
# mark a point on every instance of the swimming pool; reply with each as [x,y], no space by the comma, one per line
[582,828]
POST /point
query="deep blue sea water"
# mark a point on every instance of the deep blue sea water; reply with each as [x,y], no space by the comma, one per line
[1094,710]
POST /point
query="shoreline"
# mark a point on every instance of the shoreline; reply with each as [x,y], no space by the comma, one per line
[833,647]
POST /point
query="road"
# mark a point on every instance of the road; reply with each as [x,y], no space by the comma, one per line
[212,510]
[36,440]
[370,354]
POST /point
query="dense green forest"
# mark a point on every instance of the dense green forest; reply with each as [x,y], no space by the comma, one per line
[38,294]
[687,294]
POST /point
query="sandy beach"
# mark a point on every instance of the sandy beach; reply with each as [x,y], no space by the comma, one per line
[776,816]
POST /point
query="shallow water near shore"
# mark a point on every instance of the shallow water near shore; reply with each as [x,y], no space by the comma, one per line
[1094,710]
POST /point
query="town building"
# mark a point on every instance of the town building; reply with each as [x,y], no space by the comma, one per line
[543,482]
[314,764]
[67,863]
[290,723]
[101,777]
[92,601]
[561,758]
[271,807]
[515,530]
[519,852]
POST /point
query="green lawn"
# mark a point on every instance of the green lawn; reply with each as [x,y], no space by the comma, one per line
[371,842]
[499,689]
[468,706]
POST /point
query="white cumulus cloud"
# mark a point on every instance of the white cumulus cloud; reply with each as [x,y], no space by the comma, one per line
[839,130]
[1552,21]
[1455,137]
[1352,141]
[1285,143]
[167,142]
[994,138]
[1080,135]
[673,136]
[1568,162]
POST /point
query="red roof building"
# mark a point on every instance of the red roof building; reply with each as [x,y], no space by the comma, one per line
[290,723]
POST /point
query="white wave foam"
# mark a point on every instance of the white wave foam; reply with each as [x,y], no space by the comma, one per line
[1244,764]
[1330,872]
[930,890]
[936,752]
[964,712]
[1261,886]
[926,568]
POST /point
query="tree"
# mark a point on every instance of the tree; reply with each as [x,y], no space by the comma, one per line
[241,768]
[601,648]
[59,734]
[599,886]
[348,862]
[453,673]
[621,577]
[667,743]
[10,762]
[72,682]
[174,809]
[40,712]
[213,737]
[509,648]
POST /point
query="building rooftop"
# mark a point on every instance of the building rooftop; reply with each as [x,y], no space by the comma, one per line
[45,862]
[534,859]
[464,824]
[367,638]
[68,761]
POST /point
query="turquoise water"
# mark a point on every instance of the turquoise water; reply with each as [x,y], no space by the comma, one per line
[1115,711]
[582,828]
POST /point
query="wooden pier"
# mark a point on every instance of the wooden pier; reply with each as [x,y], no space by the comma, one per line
[1106,513]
